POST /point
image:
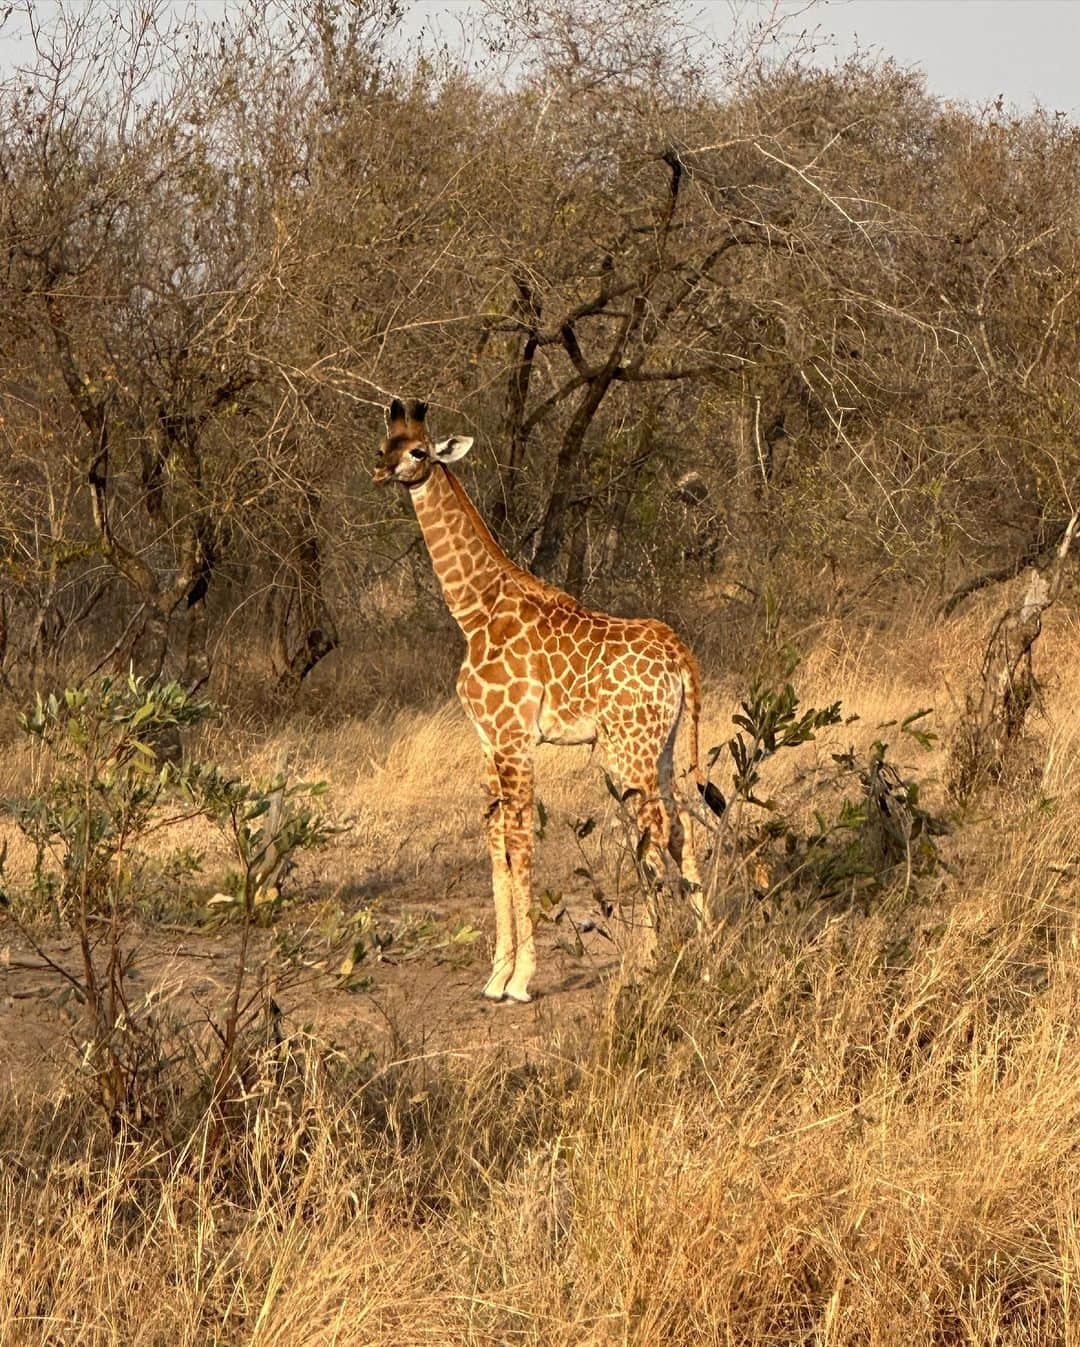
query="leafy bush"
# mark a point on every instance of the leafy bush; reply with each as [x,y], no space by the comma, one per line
[883,830]
[111,787]
[108,789]
[769,721]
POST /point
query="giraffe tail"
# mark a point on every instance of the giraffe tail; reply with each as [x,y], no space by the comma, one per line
[691,681]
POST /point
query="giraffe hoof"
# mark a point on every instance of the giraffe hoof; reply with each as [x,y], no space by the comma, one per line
[491,993]
[522,997]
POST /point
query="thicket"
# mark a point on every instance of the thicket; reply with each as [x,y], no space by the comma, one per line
[717,316]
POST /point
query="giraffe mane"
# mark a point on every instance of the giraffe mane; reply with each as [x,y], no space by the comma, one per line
[530,583]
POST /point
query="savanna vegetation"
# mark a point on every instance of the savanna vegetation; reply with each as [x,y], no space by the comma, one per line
[781,351]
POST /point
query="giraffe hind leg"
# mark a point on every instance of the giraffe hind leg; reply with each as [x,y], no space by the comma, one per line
[681,836]
[634,760]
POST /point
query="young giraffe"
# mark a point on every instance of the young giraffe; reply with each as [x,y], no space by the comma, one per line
[540,668]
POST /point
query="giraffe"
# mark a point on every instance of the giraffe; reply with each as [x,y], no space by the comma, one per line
[540,668]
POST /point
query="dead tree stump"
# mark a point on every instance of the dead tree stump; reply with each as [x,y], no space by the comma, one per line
[997,708]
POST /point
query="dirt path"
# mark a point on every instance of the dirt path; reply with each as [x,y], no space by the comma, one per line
[421,998]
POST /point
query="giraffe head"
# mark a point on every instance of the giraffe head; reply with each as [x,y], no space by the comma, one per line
[408,454]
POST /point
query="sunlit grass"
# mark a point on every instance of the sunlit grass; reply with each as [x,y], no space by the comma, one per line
[859,1128]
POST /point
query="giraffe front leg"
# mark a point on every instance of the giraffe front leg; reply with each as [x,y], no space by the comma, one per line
[502,964]
[516,778]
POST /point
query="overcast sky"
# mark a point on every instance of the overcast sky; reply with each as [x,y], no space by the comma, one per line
[1026,50]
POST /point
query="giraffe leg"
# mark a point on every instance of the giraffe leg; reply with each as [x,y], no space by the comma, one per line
[634,759]
[502,965]
[637,763]
[681,838]
[653,822]
[652,818]
[516,783]
[681,847]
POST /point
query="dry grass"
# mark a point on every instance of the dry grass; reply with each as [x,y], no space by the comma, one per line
[859,1129]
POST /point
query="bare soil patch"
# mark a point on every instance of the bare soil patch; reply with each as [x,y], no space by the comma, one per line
[423,999]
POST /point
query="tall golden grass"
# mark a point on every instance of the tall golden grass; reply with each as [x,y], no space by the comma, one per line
[824,1126]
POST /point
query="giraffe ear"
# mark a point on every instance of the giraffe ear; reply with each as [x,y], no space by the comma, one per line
[395,414]
[457,446]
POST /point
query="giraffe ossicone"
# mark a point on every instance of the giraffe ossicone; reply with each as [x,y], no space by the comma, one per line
[541,668]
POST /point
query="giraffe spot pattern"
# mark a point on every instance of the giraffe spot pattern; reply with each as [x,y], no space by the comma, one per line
[540,666]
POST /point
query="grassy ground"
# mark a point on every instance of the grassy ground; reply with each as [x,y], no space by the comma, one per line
[826,1123]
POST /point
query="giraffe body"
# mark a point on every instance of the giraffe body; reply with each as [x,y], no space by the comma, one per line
[541,668]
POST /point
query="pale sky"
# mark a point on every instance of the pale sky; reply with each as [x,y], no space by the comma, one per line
[1026,50]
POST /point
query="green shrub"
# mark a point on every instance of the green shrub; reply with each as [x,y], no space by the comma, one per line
[115,778]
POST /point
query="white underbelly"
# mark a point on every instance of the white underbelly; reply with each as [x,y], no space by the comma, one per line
[556,730]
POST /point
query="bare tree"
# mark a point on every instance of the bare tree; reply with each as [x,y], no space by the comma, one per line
[619,251]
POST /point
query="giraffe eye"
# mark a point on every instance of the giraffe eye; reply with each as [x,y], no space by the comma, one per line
[418,453]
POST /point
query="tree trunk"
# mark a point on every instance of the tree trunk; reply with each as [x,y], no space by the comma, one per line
[578,554]
[567,475]
[303,630]
[1007,687]
[506,513]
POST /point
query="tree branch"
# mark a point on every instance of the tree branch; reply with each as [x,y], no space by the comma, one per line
[1037,552]
[94,416]
[633,375]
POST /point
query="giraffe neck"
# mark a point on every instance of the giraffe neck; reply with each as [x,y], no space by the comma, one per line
[468,562]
